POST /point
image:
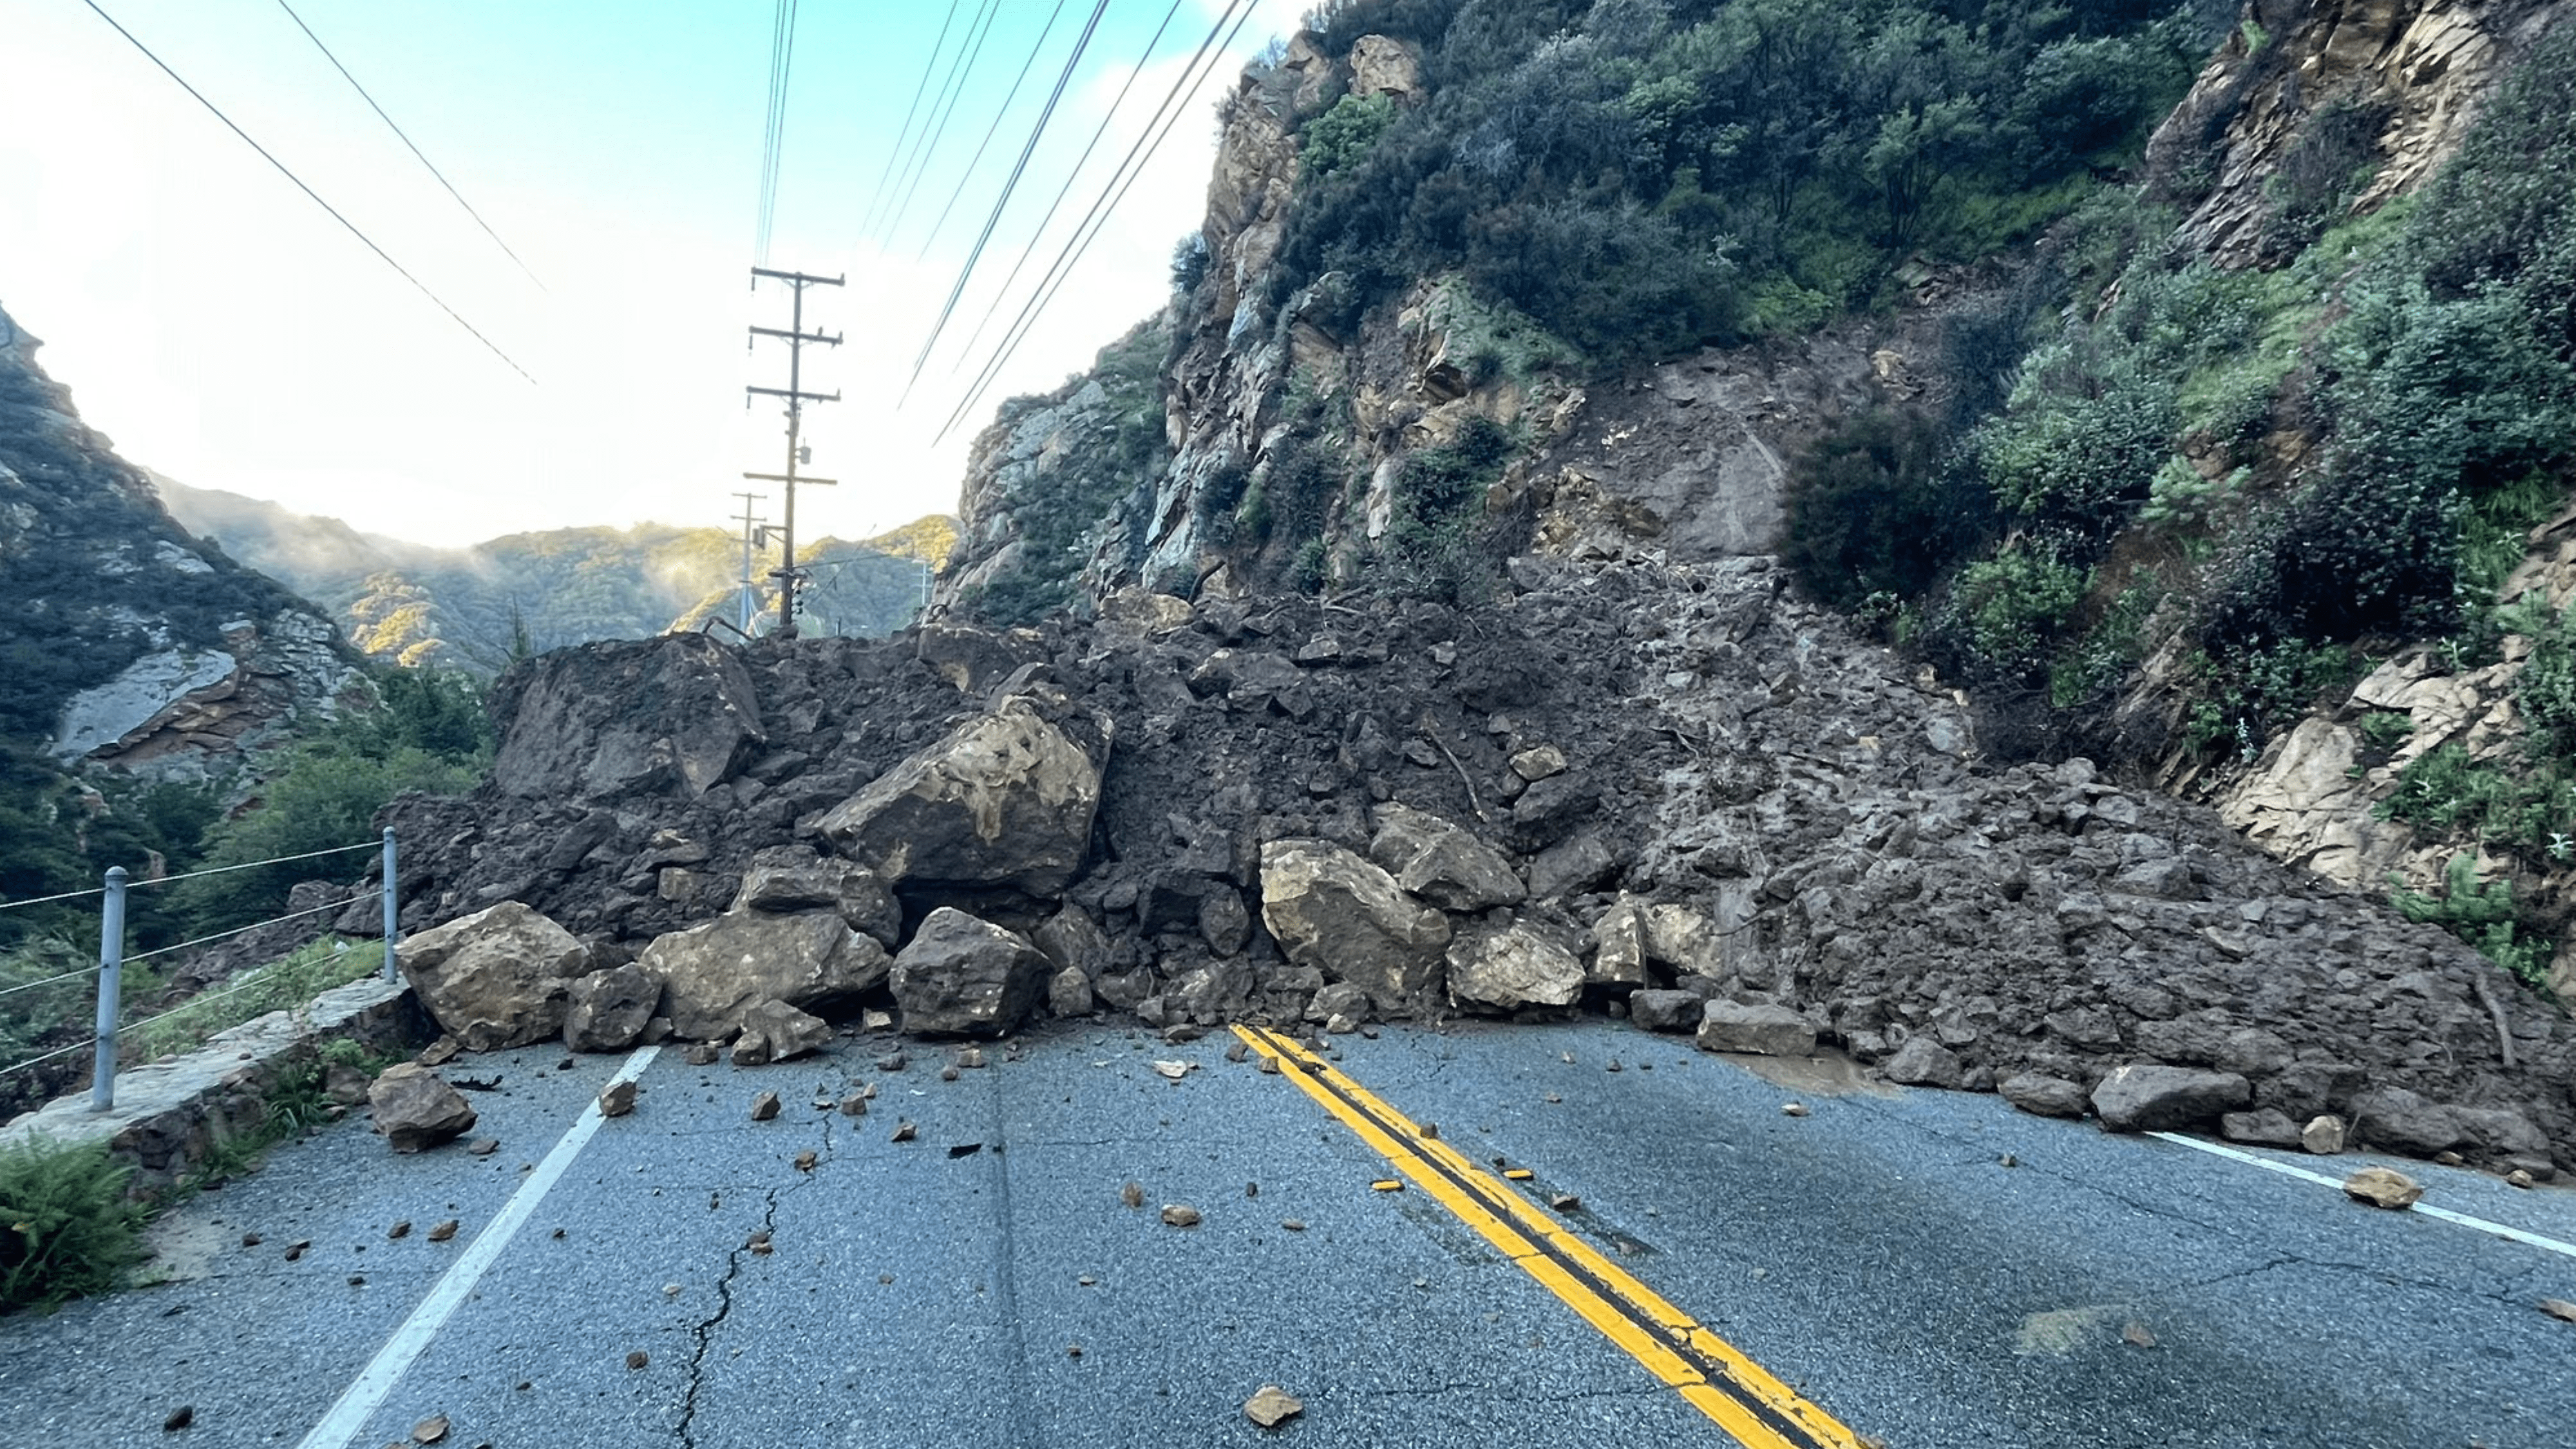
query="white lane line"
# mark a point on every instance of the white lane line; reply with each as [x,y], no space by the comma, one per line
[360,1401]
[2445,1214]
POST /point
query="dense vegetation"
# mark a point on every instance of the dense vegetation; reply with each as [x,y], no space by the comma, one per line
[1642,175]
[2131,492]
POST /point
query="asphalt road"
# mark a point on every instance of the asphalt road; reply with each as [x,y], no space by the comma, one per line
[984,1283]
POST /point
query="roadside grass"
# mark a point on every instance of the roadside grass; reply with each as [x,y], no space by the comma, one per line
[282,985]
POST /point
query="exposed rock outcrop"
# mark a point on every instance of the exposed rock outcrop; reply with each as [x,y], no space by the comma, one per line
[132,644]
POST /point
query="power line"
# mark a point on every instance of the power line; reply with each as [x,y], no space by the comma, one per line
[976,253]
[922,88]
[406,140]
[950,91]
[966,172]
[1101,207]
[1072,174]
[308,191]
[773,142]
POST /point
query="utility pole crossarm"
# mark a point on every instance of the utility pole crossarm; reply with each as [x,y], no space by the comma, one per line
[829,339]
[802,279]
[799,478]
[792,393]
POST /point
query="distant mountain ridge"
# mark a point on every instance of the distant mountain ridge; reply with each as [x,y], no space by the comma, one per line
[476,607]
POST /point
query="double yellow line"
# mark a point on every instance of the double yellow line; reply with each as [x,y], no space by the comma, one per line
[1753,1407]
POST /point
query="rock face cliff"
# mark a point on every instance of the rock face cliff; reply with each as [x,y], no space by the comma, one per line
[1286,421]
[127,642]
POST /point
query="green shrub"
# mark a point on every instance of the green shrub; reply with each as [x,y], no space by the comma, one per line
[1343,134]
[2010,609]
[66,1227]
[2484,916]
[1873,508]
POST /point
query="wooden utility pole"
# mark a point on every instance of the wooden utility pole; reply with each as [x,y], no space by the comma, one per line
[754,536]
[796,337]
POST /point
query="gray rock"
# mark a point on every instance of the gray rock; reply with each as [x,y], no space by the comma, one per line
[1005,799]
[606,1011]
[415,1108]
[672,714]
[789,878]
[1619,946]
[1924,1062]
[1341,999]
[1210,995]
[1666,1010]
[500,977]
[1441,862]
[2262,1127]
[1511,968]
[2042,1095]
[1224,923]
[1347,918]
[1069,993]
[2396,1118]
[963,976]
[1771,1031]
[1072,941]
[774,1031]
[1571,866]
[714,971]
[2149,1097]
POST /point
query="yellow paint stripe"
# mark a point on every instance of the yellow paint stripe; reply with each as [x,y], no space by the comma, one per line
[1628,1313]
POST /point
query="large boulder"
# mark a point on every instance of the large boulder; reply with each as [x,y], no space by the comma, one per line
[497,978]
[1511,968]
[606,1010]
[714,972]
[1441,862]
[1770,1031]
[1654,1010]
[669,715]
[2151,1097]
[964,976]
[1005,799]
[415,1108]
[1333,911]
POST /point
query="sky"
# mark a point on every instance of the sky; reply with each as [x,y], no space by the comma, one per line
[223,329]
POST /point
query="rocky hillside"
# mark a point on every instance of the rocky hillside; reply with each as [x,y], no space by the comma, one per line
[125,640]
[473,608]
[2194,389]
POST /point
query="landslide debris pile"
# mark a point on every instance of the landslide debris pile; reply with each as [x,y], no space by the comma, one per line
[1675,792]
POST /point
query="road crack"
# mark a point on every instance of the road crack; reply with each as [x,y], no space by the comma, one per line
[703,1335]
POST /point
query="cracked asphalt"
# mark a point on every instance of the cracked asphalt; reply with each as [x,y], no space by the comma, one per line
[984,1284]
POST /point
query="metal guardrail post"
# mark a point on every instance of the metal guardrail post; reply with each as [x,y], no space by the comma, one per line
[111,959]
[385,897]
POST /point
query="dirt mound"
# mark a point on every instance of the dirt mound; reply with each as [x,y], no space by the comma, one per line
[1776,813]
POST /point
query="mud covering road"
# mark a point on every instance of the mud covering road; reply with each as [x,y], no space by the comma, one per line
[1877,1255]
